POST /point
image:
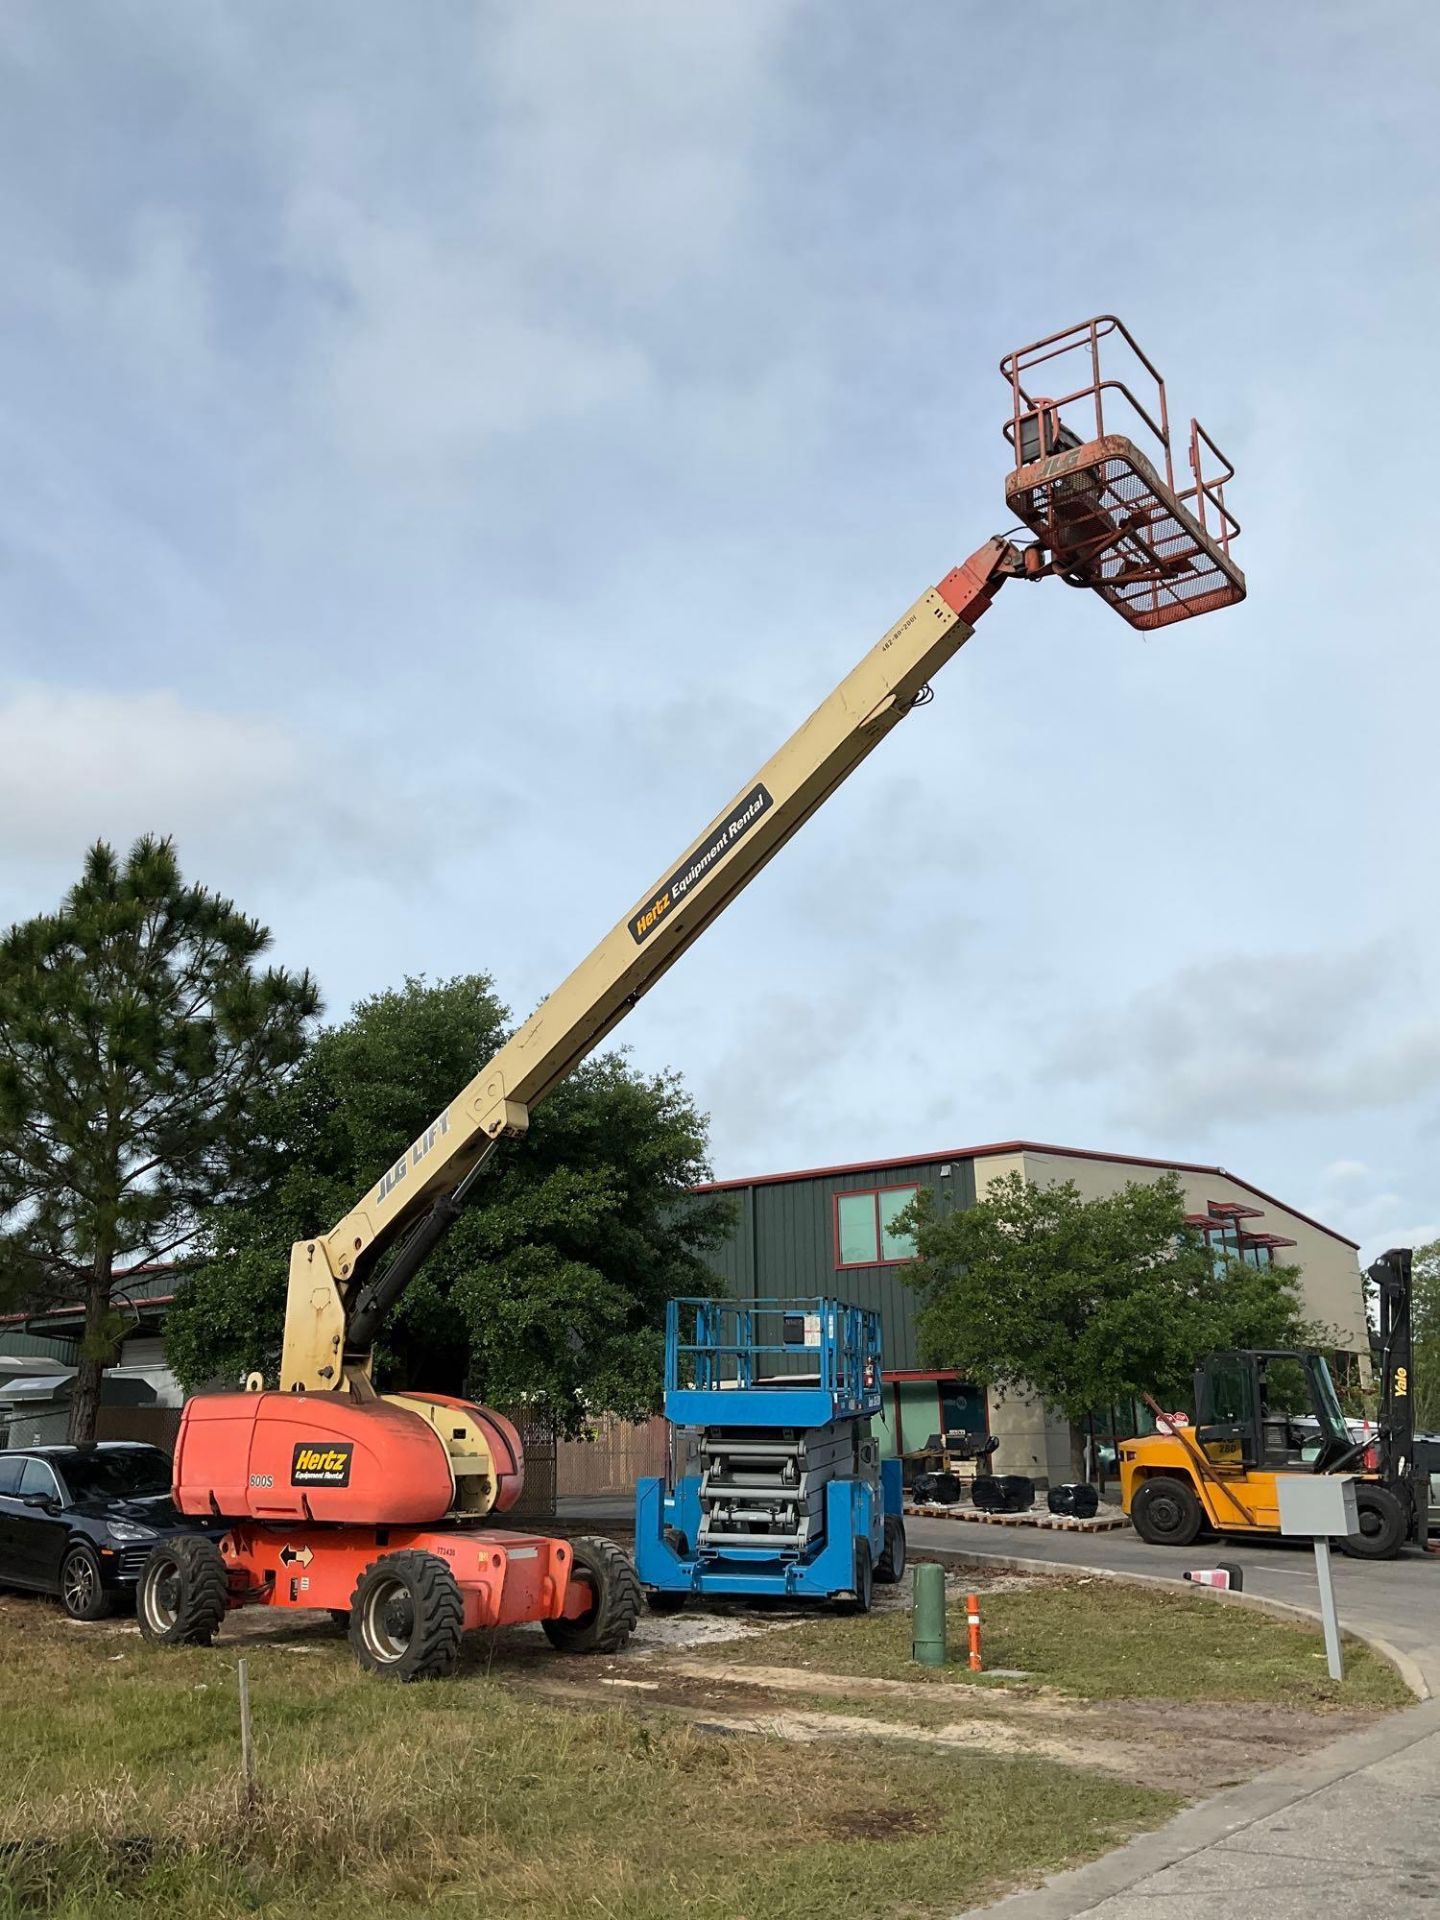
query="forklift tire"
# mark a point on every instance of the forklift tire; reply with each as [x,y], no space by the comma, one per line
[1166,1512]
[1382,1526]
[890,1567]
[609,1623]
[662,1600]
[181,1595]
[406,1617]
[859,1600]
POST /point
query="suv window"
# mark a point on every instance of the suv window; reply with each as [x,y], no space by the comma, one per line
[123,1473]
[37,1477]
[10,1465]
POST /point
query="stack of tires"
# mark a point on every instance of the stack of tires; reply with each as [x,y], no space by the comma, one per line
[1076,1500]
[1003,1493]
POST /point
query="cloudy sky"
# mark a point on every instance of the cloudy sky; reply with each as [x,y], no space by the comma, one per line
[447,446]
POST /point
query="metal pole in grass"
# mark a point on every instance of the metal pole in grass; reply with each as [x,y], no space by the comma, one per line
[927,1644]
[247,1738]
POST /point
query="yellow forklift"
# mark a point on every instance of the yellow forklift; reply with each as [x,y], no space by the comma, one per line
[1262,1414]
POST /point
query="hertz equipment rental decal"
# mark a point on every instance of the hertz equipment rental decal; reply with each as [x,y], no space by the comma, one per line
[733,827]
[317,1466]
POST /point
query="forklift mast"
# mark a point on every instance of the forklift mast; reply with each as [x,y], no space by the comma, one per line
[1392,1278]
[1107,511]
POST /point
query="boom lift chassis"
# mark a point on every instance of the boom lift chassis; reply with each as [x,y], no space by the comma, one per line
[382,1507]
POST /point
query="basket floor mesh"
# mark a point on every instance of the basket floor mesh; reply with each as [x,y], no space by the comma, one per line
[1113,525]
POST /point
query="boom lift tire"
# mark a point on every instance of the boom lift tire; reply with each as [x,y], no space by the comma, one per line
[180,1599]
[609,1623]
[890,1567]
[859,1601]
[1382,1525]
[1166,1512]
[406,1617]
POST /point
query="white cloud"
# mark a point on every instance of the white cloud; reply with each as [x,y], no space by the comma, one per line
[431,356]
[244,792]
[1253,1036]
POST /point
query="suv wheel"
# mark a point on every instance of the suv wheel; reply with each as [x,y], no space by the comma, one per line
[83,1595]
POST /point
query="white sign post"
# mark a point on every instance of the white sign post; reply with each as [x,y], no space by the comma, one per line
[1321,1507]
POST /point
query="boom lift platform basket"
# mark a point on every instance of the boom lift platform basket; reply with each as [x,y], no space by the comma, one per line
[1107,510]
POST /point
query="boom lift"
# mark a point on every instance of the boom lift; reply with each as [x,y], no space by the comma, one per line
[1221,1477]
[383,1507]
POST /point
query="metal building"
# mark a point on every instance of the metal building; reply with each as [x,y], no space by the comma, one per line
[830,1230]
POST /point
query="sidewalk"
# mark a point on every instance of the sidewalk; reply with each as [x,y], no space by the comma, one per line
[1350,1831]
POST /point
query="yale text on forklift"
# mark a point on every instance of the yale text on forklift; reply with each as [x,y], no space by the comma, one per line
[717,842]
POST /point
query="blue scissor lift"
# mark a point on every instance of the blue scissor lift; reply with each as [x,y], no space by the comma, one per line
[776,1483]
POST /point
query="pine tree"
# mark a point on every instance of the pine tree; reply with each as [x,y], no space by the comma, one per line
[140,1055]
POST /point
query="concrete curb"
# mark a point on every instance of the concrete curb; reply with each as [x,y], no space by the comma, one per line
[1407,1668]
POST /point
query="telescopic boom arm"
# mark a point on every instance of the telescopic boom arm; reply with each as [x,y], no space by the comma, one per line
[1107,514]
[340,1283]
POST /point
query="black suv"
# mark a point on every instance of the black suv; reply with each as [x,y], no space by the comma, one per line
[80,1521]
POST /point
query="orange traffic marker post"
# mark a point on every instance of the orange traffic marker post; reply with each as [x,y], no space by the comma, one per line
[972,1615]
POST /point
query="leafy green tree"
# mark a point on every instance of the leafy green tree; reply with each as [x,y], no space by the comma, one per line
[551,1286]
[1088,1303]
[140,1055]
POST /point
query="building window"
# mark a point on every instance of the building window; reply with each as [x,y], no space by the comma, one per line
[865,1233]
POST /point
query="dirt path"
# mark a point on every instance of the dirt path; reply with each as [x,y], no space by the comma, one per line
[1189,1749]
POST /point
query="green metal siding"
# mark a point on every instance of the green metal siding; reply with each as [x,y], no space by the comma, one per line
[783,1242]
[35,1346]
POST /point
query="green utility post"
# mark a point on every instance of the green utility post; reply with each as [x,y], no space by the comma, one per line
[928,1633]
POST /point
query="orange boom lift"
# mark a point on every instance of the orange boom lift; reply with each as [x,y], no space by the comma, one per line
[389,1508]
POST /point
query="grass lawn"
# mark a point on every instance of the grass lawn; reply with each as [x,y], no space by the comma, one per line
[1100,1640]
[468,1798]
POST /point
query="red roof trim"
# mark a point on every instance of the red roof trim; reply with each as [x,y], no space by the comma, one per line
[1019,1146]
[76,1308]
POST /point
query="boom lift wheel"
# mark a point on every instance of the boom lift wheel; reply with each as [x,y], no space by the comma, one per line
[890,1567]
[859,1601]
[1166,1512]
[1382,1525]
[610,1620]
[181,1598]
[406,1617]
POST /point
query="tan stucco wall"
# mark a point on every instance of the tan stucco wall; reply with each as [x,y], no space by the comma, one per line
[1031,1439]
[1329,1267]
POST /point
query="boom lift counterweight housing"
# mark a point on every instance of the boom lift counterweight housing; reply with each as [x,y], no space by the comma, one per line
[400,1517]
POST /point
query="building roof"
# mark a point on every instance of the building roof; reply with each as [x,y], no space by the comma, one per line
[998,1147]
[139,1287]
